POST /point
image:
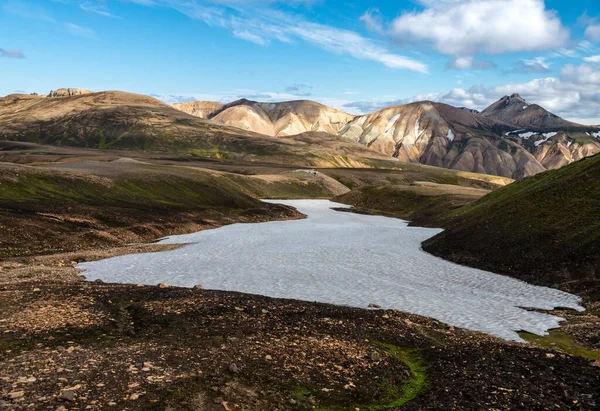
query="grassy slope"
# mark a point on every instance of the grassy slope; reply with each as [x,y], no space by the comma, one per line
[544,229]
[101,204]
[422,204]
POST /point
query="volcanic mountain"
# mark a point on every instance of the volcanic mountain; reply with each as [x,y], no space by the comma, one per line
[119,120]
[272,119]
[516,111]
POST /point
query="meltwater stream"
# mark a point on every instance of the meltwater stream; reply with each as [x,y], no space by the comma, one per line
[347,259]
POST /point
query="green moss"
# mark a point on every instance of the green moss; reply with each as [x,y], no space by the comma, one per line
[395,396]
[559,340]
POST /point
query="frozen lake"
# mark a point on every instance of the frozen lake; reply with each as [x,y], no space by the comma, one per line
[346,259]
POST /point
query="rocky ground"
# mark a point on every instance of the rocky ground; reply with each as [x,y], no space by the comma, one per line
[70,344]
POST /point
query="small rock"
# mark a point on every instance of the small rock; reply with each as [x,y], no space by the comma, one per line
[595,363]
[218,400]
[292,401]
[61,408]
[268,357]
[68,395]
[163,285]
[198,287]
[140,285]
[549,355]
[234,368]
[373,305]
[264,311]
[112,404]
[99,385]
[15,395]
[134,397]
[375,356]
[99,281]
[37,290]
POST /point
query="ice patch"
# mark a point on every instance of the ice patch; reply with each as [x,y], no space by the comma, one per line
[417,129]
[527,135]
[450,135]
[338,258]
[547,136]
[512,132]
[391,123]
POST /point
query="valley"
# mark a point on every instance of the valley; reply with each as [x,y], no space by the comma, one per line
[86,177]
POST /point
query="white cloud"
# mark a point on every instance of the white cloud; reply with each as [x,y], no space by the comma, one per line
[261,25]
[373,21]
[253,38]
[466,27]
[465,63]
[537,65]
[593,32]
[592,59]
[574,94]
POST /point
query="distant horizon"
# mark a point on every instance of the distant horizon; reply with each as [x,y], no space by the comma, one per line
[189,98]
[357,57]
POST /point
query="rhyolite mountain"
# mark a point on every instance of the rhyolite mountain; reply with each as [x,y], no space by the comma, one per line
[511,138]
[273,119]
[120,120]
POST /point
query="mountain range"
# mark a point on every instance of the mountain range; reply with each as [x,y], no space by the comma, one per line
[511,138]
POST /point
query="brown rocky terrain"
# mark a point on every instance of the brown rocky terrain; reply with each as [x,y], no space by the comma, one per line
[70,344]
[202,109]
[68,92]
[511,138]
[273,119]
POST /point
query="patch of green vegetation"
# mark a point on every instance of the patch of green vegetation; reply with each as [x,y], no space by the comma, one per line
[543,229]
[559,340]
[423,205]
[215,152]
[395,396]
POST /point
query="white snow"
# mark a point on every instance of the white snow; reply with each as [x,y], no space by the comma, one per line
[512,132]
[391,123]
[417,129]
[362,120]
[346,259]
[450,135]
[547,136]
[569,143]
[272,106]
[524,107]
[596,134]
[528,134]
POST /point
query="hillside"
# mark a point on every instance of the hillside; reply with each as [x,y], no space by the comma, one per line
[543,229]
[512,138]
[273,119]
[119,120]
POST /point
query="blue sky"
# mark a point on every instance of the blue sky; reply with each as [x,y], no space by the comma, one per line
[357,56]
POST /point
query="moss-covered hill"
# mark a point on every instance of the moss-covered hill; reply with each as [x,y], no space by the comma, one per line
[544,229]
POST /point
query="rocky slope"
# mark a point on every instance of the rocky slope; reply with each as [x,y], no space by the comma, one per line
[511,138]
[518,112]
[202,109]
[119,120]
[543,230]
[68,92]
[273,119]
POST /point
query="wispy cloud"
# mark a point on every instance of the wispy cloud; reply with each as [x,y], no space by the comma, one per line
[14,54]
[253,38]
[260,24]
[537,65]
[78,30]
[91,8]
